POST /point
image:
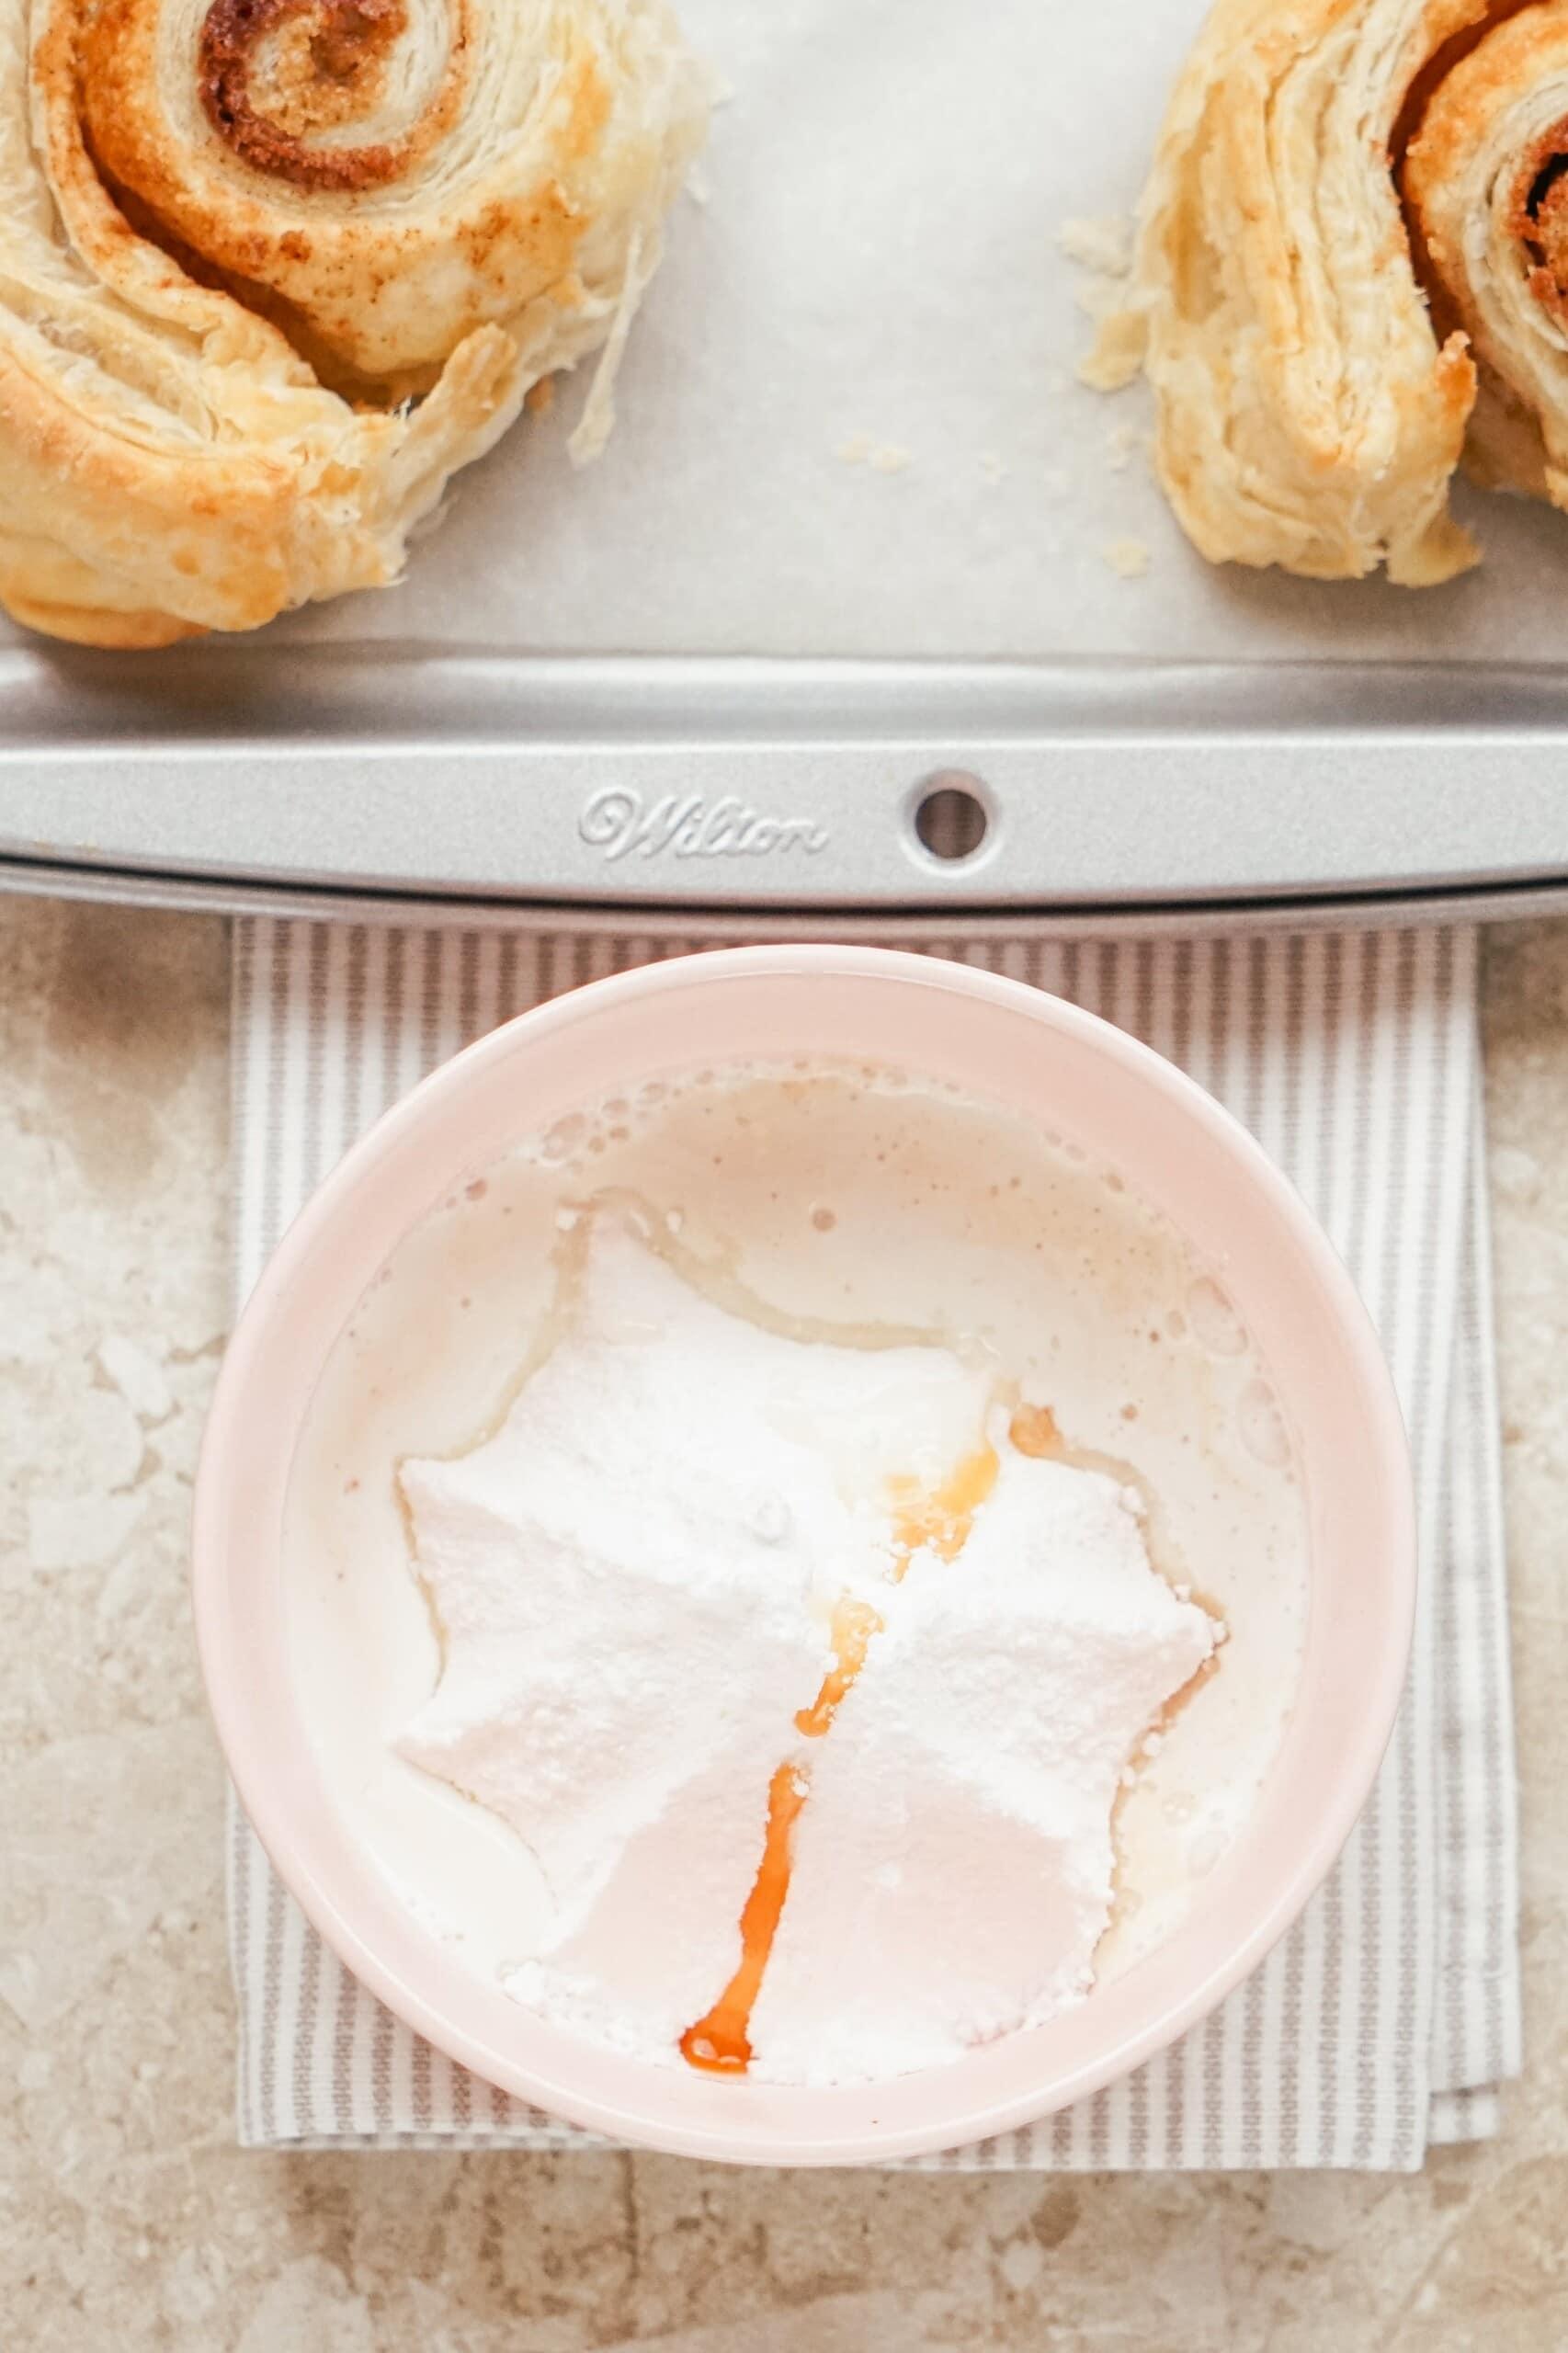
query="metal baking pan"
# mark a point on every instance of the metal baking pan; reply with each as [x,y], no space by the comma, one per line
[759,789]
[857,528]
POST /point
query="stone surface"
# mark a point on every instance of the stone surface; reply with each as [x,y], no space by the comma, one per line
[128,2218]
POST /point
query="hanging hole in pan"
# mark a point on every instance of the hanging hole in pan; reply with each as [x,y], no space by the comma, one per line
[951,817]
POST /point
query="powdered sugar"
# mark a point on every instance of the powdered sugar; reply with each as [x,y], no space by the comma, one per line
[634,1579]
[979,1753]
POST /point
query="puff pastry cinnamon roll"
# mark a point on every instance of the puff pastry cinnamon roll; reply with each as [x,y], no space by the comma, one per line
[270,271]
[1353,269]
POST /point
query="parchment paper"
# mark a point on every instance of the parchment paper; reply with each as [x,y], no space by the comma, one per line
[878,263]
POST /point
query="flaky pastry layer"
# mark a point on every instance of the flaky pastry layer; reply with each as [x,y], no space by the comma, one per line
[1353,272]
[272,270]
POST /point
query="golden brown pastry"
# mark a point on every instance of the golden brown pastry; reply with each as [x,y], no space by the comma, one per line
[1353,268]
[270,271]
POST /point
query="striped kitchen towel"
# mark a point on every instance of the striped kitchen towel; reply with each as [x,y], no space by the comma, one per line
[1389,2017]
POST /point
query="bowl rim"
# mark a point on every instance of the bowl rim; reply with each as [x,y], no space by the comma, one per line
[227,1660]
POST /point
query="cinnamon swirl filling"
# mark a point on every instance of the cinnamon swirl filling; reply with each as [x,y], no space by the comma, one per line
[327,62]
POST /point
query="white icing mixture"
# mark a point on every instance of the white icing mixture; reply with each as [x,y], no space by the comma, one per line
[733,1588]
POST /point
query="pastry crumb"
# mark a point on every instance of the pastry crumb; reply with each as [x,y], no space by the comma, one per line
[1123,444]
[882,456]
[1128,559]
[1103,249]
[1115,359]
[540,398]
[1103,244]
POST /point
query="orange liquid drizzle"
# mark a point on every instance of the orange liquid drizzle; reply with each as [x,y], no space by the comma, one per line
[938,1520]
[720,2044]
[1034,1432]
[854,1624]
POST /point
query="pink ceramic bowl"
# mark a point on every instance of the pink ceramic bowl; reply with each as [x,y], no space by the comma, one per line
[1024,1049]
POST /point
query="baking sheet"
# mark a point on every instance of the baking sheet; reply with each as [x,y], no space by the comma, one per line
[852,530]
[878,260]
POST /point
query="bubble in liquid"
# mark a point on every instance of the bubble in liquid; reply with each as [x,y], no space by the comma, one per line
[1262,1426]
[1215,1323]
[562,1141]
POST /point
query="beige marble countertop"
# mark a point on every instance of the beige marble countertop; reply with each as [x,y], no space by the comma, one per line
[129,2218]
